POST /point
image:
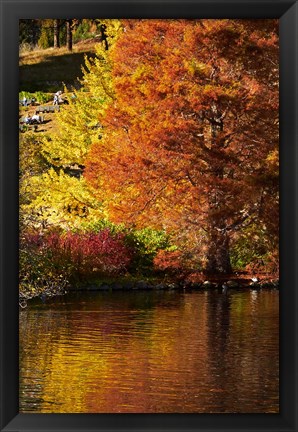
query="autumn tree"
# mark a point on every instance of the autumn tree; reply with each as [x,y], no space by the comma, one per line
[192,131]
[57,194]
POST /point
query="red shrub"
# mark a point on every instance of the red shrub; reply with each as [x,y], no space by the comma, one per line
[99,252]
[79,255]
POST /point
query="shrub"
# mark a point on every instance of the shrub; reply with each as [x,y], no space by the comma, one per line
[82,32]
[92,254]
[56,257]
[168,261]
[146,243]
[269,264]
[46,39]
[40,96]
[250,248]
[37,273]
[102,224]
[52,260]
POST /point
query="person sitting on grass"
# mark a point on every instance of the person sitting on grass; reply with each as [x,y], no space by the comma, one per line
[27,120]
[36,119]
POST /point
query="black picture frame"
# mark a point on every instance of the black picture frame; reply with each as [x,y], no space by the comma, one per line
[287,11]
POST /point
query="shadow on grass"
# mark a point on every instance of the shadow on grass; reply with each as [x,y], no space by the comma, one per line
[50,74]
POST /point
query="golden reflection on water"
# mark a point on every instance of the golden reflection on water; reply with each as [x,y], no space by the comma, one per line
[145,352]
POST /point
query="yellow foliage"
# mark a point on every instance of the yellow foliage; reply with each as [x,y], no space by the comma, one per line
[61,196]
[57,198]
[80,124]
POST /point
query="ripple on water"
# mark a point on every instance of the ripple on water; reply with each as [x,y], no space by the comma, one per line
[151,352]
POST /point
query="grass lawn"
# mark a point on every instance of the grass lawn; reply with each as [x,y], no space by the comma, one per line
[48,70]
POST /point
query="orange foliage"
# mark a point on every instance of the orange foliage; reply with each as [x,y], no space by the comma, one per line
[194,120]
[168,261]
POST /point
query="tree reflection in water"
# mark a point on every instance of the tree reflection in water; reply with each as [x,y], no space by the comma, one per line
[151,352]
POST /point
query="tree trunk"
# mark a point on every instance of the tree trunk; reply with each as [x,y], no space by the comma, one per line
[218,255]
[35,32]
[69,34]
[56,34]
[104,35]
[218,252]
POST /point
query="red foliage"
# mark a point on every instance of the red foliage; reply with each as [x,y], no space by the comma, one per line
[82,254]
[102,251]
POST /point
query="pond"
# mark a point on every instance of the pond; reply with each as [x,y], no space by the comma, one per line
[151,352]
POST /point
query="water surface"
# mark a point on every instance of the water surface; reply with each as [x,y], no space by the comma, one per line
[150,352]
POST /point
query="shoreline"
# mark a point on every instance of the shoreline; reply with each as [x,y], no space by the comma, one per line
[191,282]
[219,284]
[175,286]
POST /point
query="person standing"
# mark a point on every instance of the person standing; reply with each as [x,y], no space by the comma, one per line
[56,98]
